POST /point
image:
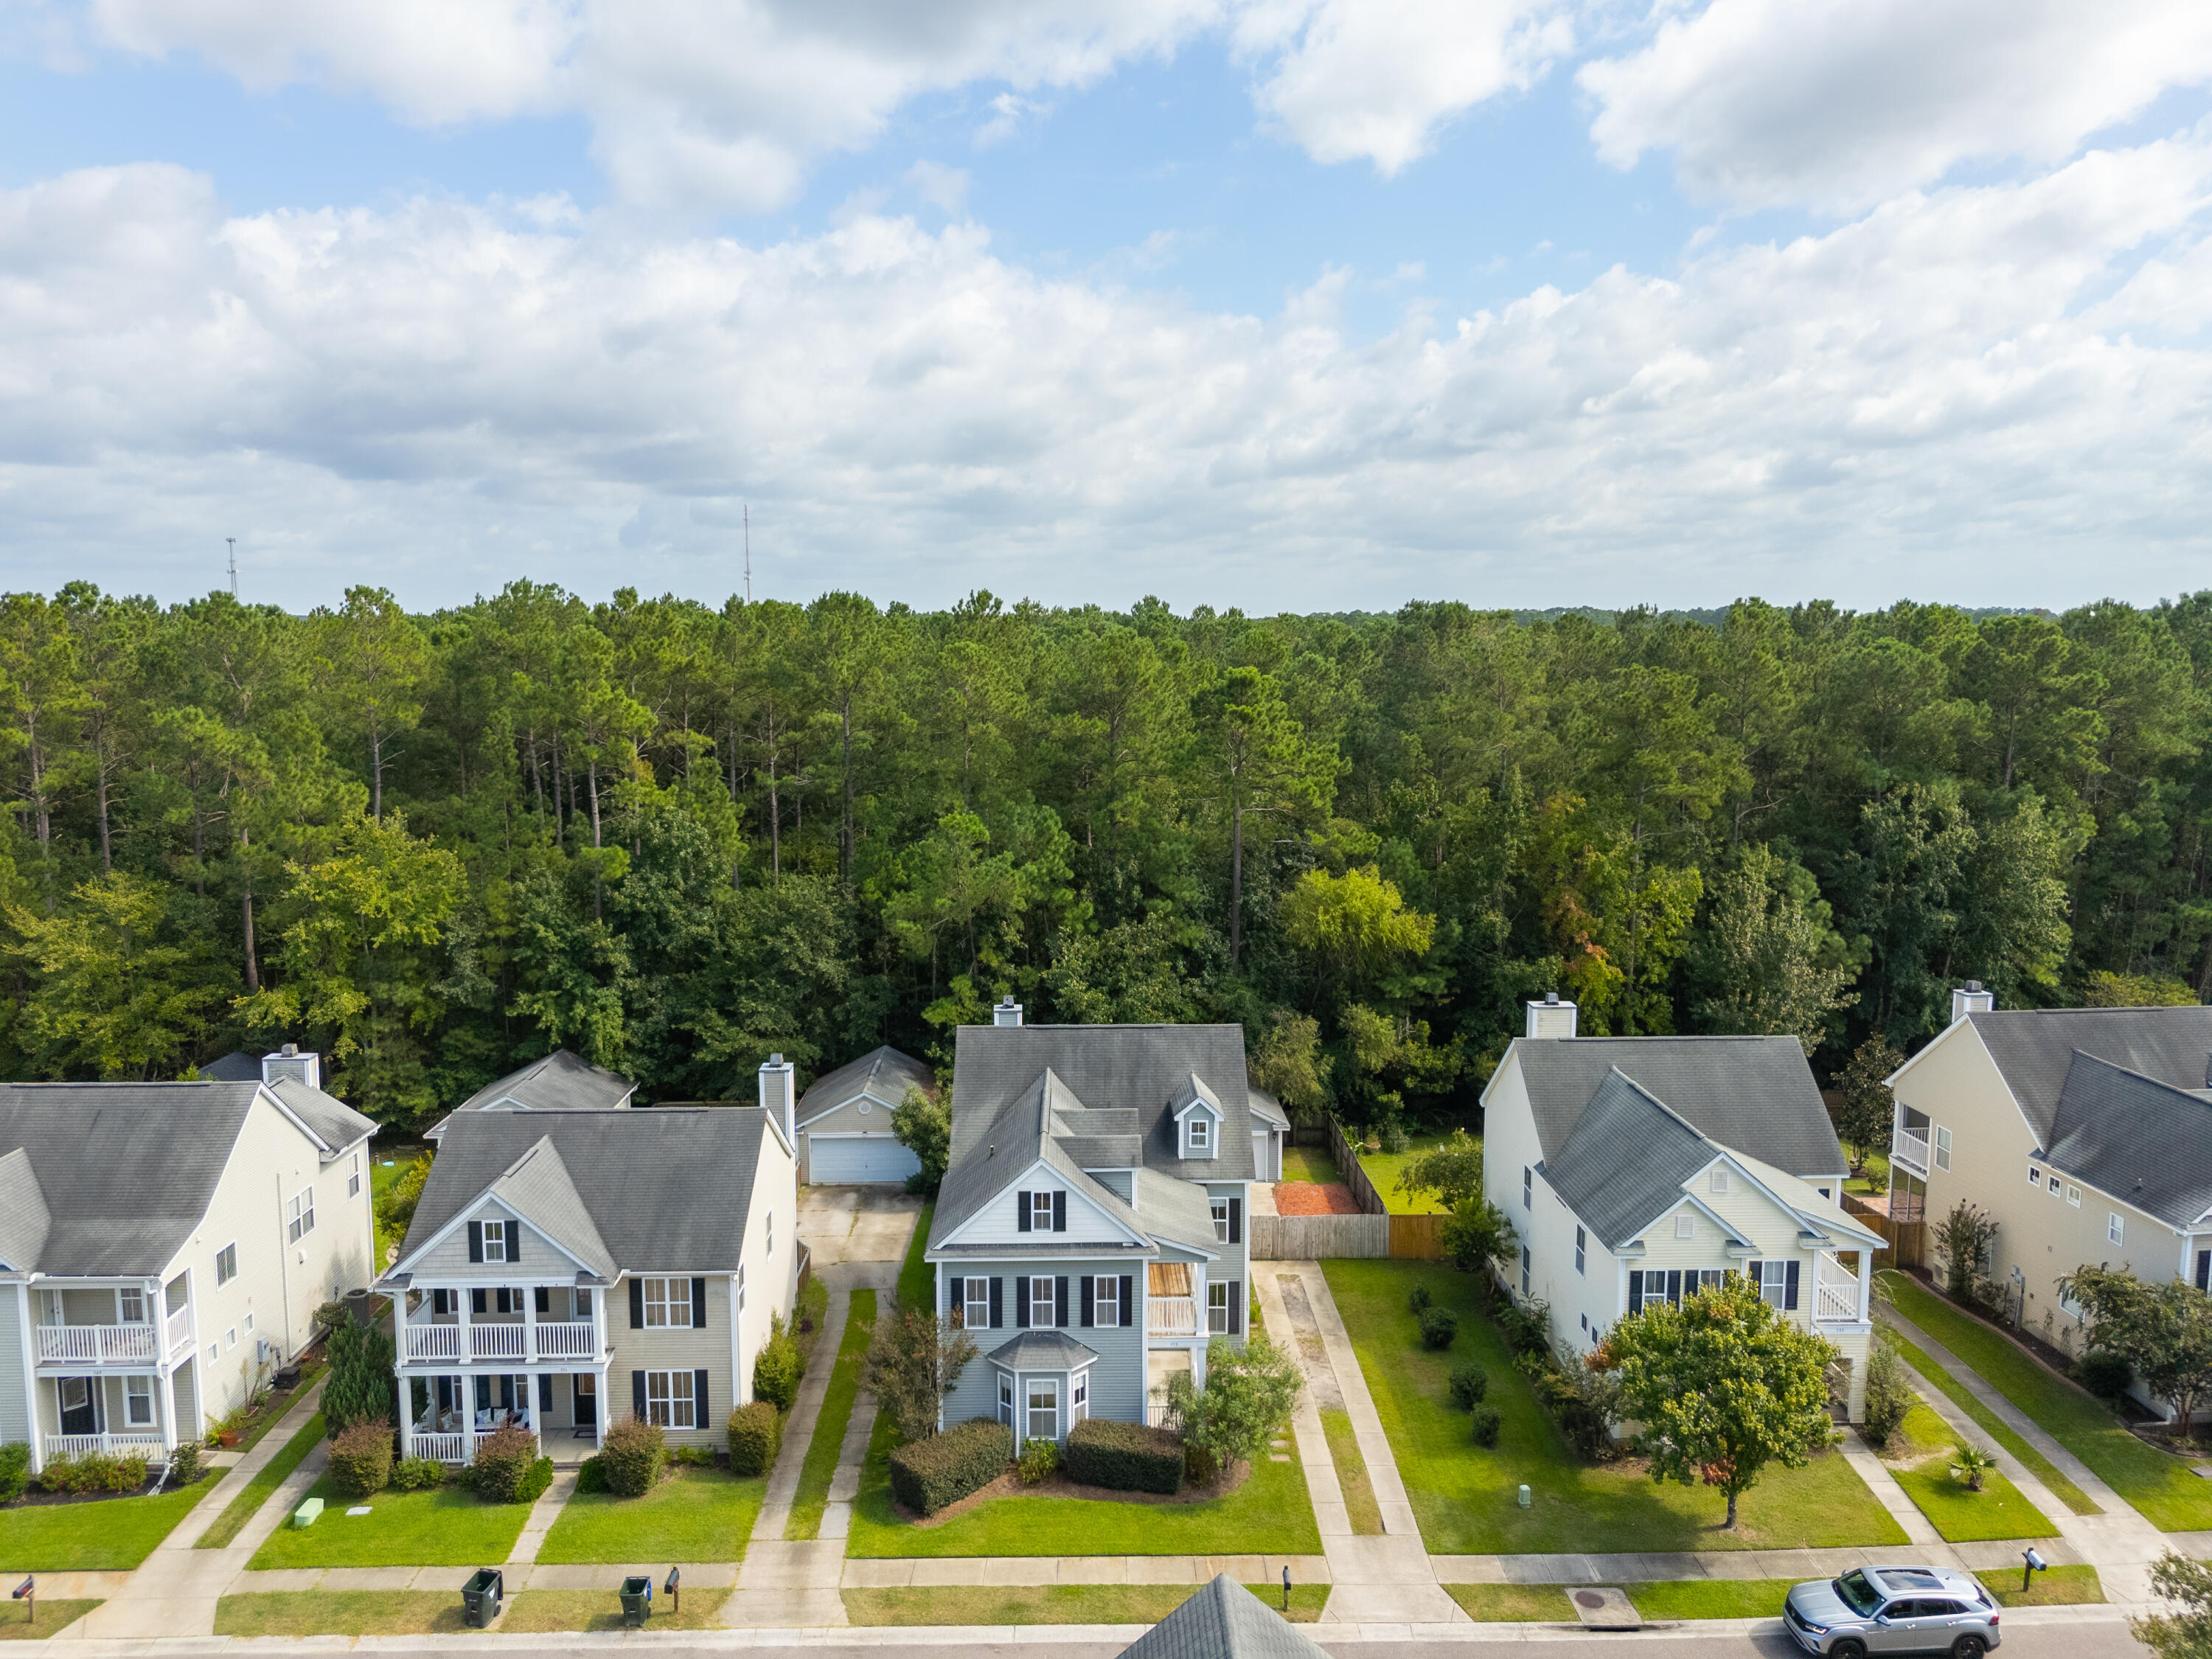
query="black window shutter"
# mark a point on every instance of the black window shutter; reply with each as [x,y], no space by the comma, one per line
[475,1241]
[699,1399]
[1060,1302]
[1636,1290]
[514,1241]
[1674,1284]
[1757,1284]
[1128,1301]
[1235,1221]
[699,1307]
[1021,1213]
[1789,1286]
[1022,1303]
[544,1298]
[1086,1301]
[1059,1212]
[544,1395]
[637,1389]
[998,1304]
[476,1301]
[2204,1270]
[1236,1306]
[637,1310]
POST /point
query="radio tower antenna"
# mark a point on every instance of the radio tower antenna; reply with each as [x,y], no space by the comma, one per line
[749,552]
[233,540]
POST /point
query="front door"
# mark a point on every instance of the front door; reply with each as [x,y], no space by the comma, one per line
[80,1406]
[587,1400]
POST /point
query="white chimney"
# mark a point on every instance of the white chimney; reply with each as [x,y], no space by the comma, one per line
[1971,999]
[775,1091]
[1551,1017]
[288,1061]
[1008,1012]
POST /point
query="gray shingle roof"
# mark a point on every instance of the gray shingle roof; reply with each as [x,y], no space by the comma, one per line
[234,1068]
[1755,1094]
[1042,1351]
[125,1170]
[1626,1160]
[883,1073]
[1224,1621]
[668,1189]
[538,1187]
[2136,1137]
[333,1122]
[560,1082]
[24,1219]
[2034,1049]
[1266,1107]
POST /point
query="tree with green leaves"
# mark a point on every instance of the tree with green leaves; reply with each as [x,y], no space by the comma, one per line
[1249,1394]
[1765,960]
[923,1125]
[2183,1629]
[1452,1171]
[119,991]
[1264,765]
[1867,1113]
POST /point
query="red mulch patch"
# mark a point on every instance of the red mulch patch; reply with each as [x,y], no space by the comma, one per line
[1314,1198]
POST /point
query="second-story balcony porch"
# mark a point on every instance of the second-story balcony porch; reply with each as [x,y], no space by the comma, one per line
[477,1324]
[109,1326]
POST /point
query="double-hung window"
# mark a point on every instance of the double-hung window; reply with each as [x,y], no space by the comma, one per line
[741,1287]
[1217,1309]
[226,1265]
[1043,1304]
[1221,1220]
[130,1307]
[1201,1134]
[1039,1212]
[2034,1175]
[1106,1300]
[138,1401]
[1943,1147]
[1007,1400]
[668,1402]
[495,1241]
[973,1303]
[2052,1181]
[353,1177]
[300,1215]
[667,1302]
[2073,1194]
[1527,1188]
[1774,1282]
[1078,1407]
[2115,1229]
[1581,1246]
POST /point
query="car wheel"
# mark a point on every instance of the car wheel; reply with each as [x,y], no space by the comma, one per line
[1969,1647]
[1850,1648]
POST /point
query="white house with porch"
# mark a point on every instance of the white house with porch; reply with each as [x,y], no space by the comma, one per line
[564,1268]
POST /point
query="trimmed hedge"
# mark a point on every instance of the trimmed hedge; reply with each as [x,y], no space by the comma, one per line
[1124,1457]
[778,1367]
[591,1476]
[506,1468]
[95,1472]
[944,1469]
[633,1454]
[1484,1422]
[1438,1327]
[417,1475]
[1470,1383]
[361,1458]
[14,1469]
[756,1436]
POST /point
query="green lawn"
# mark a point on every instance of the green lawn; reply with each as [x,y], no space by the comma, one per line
[448,1527]
[549,1610]
[813,1494]
[1998,1511]
[1994,1427]
[1269,1514]
[340,1613]
[379,1178]
[1383,1170]
[1514,1604]
[2055,1587]
[1352,1473]
[1877,1178]
[111,1535]
[1712,1598]
[696,1515]
[1054,1604]
[1464,1496]
[1310,1163]
[917,1281]
[242,1507]
[51,1618]
[2159,1485]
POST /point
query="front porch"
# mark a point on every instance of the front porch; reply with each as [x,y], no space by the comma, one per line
[448,1414]
[146,1411]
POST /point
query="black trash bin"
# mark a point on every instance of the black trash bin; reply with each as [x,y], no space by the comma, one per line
[637,1602]
[480,1597]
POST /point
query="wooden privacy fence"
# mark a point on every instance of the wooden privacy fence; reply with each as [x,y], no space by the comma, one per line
[1907,1240]
[1420,1237]
[1314,1237]
[1348,1162]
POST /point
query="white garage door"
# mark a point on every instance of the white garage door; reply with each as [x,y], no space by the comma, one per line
[836,1158]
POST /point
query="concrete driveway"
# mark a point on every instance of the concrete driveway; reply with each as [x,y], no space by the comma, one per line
[856,1223]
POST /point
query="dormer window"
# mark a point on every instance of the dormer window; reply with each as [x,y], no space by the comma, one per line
[1201,1134]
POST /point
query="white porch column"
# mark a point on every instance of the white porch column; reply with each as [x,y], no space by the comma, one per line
[529,1294]
[1866,1284]
[462,1300]
[406,1390]
[164,1408]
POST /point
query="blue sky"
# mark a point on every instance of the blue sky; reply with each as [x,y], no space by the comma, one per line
[1265,304]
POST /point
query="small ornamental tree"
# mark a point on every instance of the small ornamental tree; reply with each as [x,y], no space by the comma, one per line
[1478,1233]
[1866,1113]
[923,1126]
[2163,1331]
[1723,1386]
[1453,1172]
[915,1360]
[1963,1239]
[2185,1632]
[361,1385]
[1247,1396]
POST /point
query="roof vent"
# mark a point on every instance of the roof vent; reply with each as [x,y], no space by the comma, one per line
[1008,1012]
[289,1062]
[1971,999]
[1551,1018]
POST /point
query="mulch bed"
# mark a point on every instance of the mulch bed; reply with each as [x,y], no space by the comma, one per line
[37,1498]
[1314,1198]
[1059,1486]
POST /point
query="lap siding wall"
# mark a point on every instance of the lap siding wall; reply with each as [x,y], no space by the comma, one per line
[681,1348]
[1117,1377]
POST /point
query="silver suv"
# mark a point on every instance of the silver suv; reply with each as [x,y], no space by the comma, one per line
[1894,1610]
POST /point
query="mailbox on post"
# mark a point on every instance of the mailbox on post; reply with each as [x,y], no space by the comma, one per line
[675,1589]
[27,1593]
[2033,1563]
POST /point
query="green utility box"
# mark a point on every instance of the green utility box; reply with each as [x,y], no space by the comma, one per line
[306,1514]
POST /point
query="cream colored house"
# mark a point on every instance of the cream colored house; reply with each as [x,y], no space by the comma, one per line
[2085,1133]
[164,1247]
[566,1268]
[1643,1168]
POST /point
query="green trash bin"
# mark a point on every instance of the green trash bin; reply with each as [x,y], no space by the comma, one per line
[637,1602]
[480,1597]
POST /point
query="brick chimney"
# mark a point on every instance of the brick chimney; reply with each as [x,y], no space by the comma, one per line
[1551,1017]
[775,1095]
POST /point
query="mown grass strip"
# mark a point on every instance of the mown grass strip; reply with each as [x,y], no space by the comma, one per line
[270,1475]
[814,1475]
[1962,1396]
[917,1284]
[1054,1604]
[2054,1587]
[1359,1503]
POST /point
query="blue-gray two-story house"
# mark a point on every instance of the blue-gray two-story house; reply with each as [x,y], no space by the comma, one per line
[1091,1231]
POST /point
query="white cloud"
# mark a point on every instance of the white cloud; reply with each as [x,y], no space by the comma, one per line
[1008,111]
[942,187]
[1838,104]
[445,395]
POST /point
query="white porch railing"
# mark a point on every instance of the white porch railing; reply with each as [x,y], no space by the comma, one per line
[433,1342]
[1908,1146]
[96,1344]
[1837,1294]
[495,1341]
[1170,1315]
[83,1445]
[571,1340]
[445,1447]
[179,1329]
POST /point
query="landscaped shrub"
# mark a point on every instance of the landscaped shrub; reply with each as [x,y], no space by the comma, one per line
[1525,1326]
[505,1465]
[633,1454]
[778,1366]
[1585,1403]
[1039,1459]
[1470,1383]
[361,1388]
[360,1457]
[1418,1299]
[1888,1396]
[185,1464]
[1124,1456]
[756,1435]
[591,1476]
[1438,1327]
[691,1457]
[2104,1373]
[94,1471]
[14,1470]
[417,1475]
[945,1468]
[330,1316]
[1485,1420]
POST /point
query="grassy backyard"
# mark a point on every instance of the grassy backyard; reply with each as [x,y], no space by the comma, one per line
[1998,1511]
[1464,1496]
[813,1494]
[113,1534]
[242,1507]
[1310,1163]
[696,1515]
[1382,1168]
[2159,1485]
[917,1284]
[448,1527]
[1054,1604]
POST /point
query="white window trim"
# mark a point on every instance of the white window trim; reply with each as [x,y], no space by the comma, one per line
[136,1389]
[741,1287]
[300,1214]
[1527,1188]
[1941,1140]
[1216,1317]
[1041,1210]
[123,1300]
[664,1406]
[1050,1304]
[1007,1399]
[353,1177]
[221,1278]
[1197,1132]
[1581,1249]
[2115,1229]
[490,1240]
[975,1302]
[666,1303]
[1031,1408]
[2073,1194]
[1220,1207]
[2034,1176]
[1106,1297]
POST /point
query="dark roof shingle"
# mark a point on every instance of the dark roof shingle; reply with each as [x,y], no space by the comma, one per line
[2034,1049]
[2136,1137]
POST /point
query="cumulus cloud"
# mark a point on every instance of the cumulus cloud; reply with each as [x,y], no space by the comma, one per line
[456,393]
[1840,104]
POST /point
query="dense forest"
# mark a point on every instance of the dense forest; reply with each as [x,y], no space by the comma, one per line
[675,838]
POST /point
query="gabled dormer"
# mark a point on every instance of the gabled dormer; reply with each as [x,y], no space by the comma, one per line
[1200,1121]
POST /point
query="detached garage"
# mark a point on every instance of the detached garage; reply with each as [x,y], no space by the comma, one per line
[844,1126]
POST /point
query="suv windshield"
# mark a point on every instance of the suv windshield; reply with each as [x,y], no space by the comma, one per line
[1859,1596]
